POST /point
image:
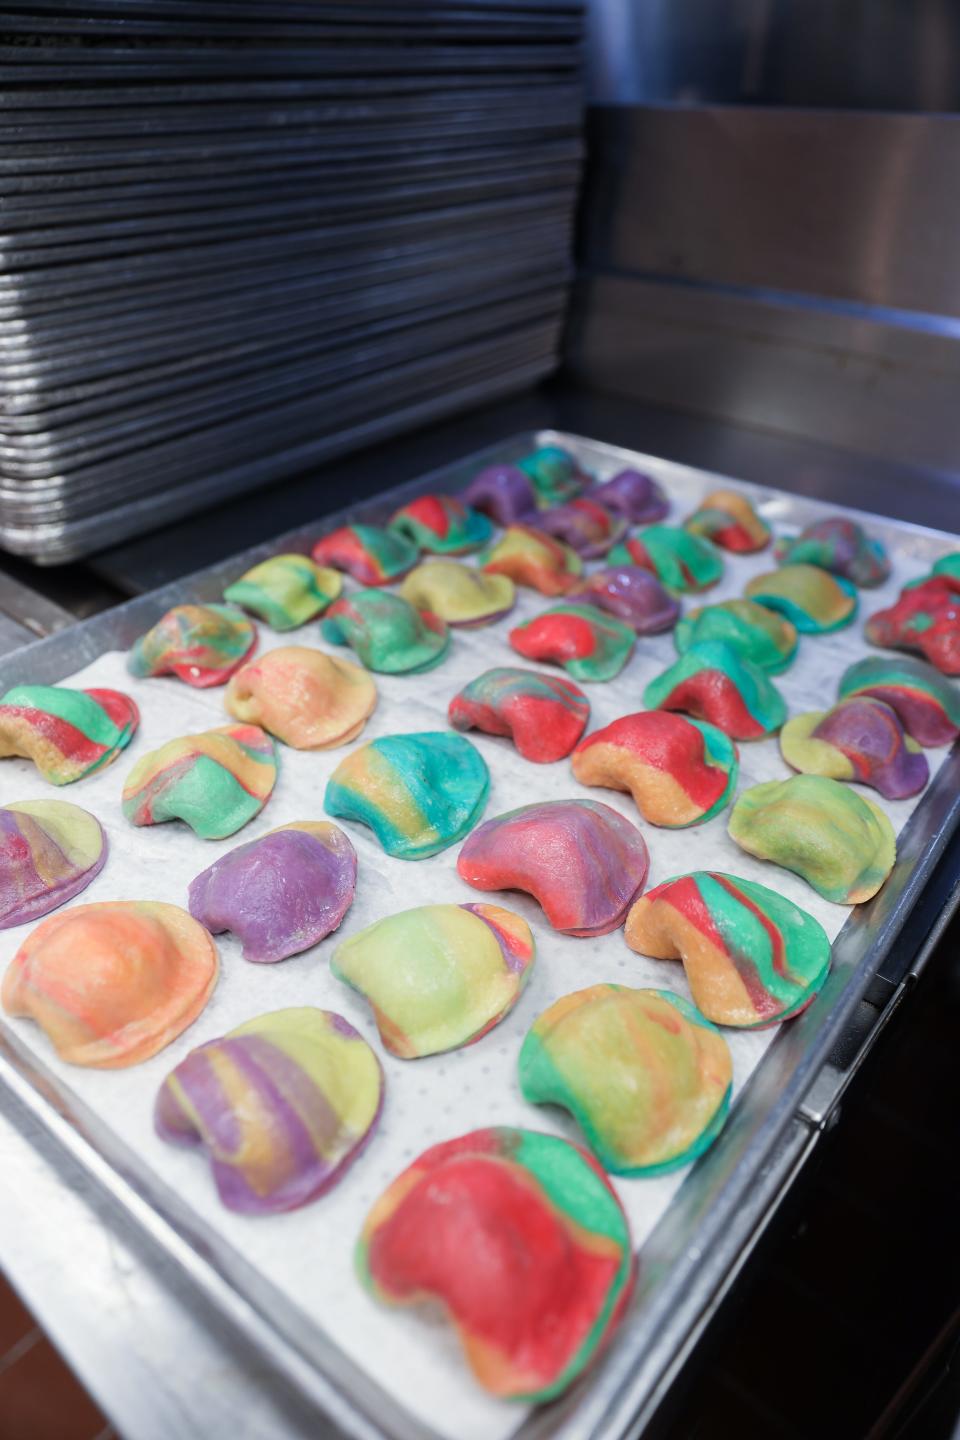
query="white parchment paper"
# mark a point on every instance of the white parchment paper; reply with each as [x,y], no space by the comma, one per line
[308,1254]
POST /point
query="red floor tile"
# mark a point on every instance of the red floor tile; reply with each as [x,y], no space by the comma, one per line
[16,1322]
[40,1397]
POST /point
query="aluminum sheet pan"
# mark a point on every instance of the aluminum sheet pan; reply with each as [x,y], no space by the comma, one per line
[26,245]
[287,1281]
[76,463]
[267,72]
[325,22]
[327,243]
[345,322]
[29,293]
[47,196]
[251,119]
[33,149]
[52,379]
[329,389]
[49,85]
[267,225]
[157,308]
[183,373]
[354,346]
[129,49]
[268,9]
[344,316]
[366,410]
[254,91]
[403,278]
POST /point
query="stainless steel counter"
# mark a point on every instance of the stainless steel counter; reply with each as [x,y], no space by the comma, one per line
[153,1355]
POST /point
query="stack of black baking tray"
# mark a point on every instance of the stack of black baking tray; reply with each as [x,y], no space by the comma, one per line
[238,238]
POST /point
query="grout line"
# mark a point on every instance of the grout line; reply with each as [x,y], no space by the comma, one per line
[22,1348]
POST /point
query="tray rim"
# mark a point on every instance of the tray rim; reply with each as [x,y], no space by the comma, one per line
[762,1147]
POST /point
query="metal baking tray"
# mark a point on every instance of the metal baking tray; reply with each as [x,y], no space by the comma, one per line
[298,22]
[360,285]
[153,386]
[266,225]
[61,443]
[154,309]
[176,186]
[275,72]
[200,458]
[367,108]
[58,289]
[40,246]
[125,45]
[366,410]
[300,369]
[241,354]
[725,1199]
[344,87]
[32,145]
[268,9]
[286,9]
[52,375]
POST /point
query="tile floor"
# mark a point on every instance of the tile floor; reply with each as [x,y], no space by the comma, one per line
[40,1397]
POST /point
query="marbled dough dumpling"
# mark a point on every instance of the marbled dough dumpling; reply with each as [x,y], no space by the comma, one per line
[442,525]
[438,976]
[111,984]
[684,563]
[418,793]
[49,852]
[544,715]
[285,591]
[388,634]
[279,894]
[728,519]
[580,859]
[712,682]
[282,1105]
[926,618]
[633,495]
[530,557]
[309,700]
[645,1076]
[520,1240]
[459,594]
[765,638]
[927,704]
[811,599]
[840,546]
[631,595]
[859,739]
[837,840]
[215,782]
[555,473]
[584,525]
[589,644]
[199,644]
[504,492]
[680,772]
[68,734]
[372,555]
[751,956]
